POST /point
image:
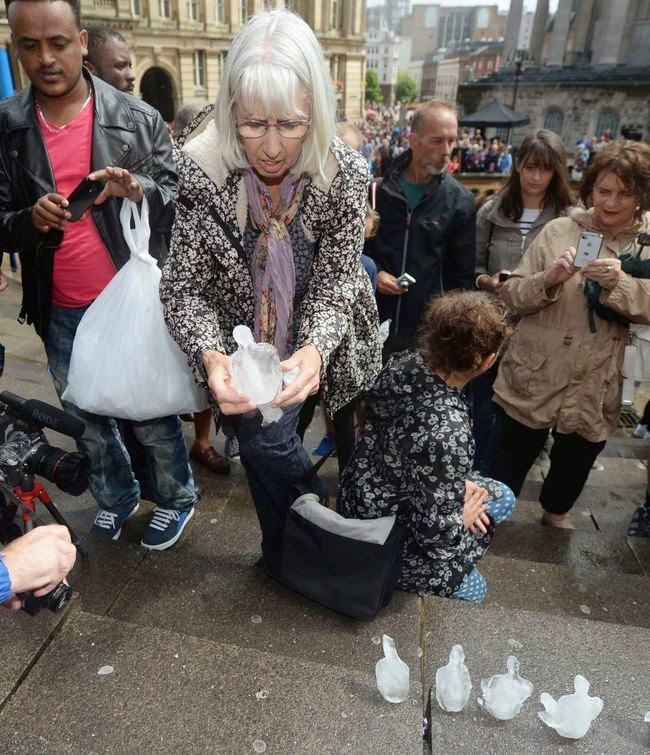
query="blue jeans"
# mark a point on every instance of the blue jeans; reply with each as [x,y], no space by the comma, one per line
[370,267]
[111,478]
[275,463]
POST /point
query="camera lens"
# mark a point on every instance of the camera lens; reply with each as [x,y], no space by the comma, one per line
[68,471]
[59,598]
[55,600]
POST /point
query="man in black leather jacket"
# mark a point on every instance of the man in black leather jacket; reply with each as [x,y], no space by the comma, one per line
[65,126]
[427,227]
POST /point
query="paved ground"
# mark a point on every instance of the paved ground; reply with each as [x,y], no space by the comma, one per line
[195,650]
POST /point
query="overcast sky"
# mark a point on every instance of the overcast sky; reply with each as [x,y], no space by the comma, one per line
[503,4]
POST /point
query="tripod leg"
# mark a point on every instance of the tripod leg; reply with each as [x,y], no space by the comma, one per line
[59,519]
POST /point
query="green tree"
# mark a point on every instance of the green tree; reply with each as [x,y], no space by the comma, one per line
[406,89]
[373,90]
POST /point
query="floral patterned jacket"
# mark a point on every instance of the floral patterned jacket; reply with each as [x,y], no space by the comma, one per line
[206,286]
[413,460]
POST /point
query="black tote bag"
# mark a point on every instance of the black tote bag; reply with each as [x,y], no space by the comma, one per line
[354,577]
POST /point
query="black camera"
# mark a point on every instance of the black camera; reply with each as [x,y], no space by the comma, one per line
[55,600]
[24,450]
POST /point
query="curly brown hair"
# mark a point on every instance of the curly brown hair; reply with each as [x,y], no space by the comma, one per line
[461,329]
[630,161]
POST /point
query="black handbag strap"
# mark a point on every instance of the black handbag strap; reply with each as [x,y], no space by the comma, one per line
[313,471]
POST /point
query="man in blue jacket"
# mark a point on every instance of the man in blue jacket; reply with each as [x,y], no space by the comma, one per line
[426,243]
[53,134]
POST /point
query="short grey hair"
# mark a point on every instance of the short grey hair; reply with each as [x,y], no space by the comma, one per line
[421,114]
[271,62]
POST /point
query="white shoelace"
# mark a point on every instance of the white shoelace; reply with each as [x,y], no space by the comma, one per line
[106,519]
[162,517]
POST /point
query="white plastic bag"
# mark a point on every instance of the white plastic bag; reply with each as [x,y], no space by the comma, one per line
[124,362]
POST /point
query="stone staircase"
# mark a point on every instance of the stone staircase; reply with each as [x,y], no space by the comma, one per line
[208,655]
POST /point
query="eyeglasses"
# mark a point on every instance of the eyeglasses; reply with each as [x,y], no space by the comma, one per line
[285,129]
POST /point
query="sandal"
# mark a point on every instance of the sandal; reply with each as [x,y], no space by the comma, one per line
[210,459]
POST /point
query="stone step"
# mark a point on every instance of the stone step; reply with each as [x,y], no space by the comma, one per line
[566,590]
[584,551]
[552,650]
[23,638]
[169,693]
[211,586]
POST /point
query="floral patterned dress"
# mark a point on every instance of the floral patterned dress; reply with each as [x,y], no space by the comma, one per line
[413,461]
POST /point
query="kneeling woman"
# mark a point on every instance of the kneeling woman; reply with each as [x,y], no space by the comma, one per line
[415,457]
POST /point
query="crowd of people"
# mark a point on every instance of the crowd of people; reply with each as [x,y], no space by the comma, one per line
[386,133]
[260,216]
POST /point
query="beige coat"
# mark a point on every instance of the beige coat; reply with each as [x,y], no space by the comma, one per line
[556,373]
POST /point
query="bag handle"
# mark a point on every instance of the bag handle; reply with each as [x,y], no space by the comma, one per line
[136,237]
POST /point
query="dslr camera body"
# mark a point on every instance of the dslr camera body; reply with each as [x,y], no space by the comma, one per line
[24,453]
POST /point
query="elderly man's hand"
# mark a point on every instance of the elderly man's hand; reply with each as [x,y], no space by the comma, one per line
[387,284]
[38,561]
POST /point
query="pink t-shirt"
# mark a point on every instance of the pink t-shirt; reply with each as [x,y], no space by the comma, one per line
[82,267]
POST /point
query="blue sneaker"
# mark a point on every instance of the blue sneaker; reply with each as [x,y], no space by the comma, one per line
[108,524]
[165,527]
[326,445]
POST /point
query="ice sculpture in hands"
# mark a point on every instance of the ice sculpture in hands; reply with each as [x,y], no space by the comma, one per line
[453,683]
[256,373]
[504,694]
[571,715]
[392,674]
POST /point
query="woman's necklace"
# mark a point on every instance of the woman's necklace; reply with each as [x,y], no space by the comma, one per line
[52,127]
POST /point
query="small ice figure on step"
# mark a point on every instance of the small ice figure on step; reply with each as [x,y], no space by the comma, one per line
[453,683]
[571,715]
[392,674]
[504,694]
[255,370]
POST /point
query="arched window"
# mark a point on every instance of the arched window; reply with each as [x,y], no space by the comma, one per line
[554,120]
[608,120]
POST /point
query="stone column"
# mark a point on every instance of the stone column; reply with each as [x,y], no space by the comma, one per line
[512,32]
[538,31]
[557,47]
[584,19]
[609,39]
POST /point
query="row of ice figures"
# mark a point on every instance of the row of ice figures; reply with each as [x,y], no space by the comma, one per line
[504,694]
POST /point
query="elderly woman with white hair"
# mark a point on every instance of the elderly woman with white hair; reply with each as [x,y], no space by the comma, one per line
[268,233]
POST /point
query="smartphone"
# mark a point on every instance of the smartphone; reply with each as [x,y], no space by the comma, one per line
[588,248]
[405,280]
[82,197]
[503,276]
[86,192]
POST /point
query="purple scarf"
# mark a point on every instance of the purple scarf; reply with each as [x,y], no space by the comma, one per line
[273,272]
